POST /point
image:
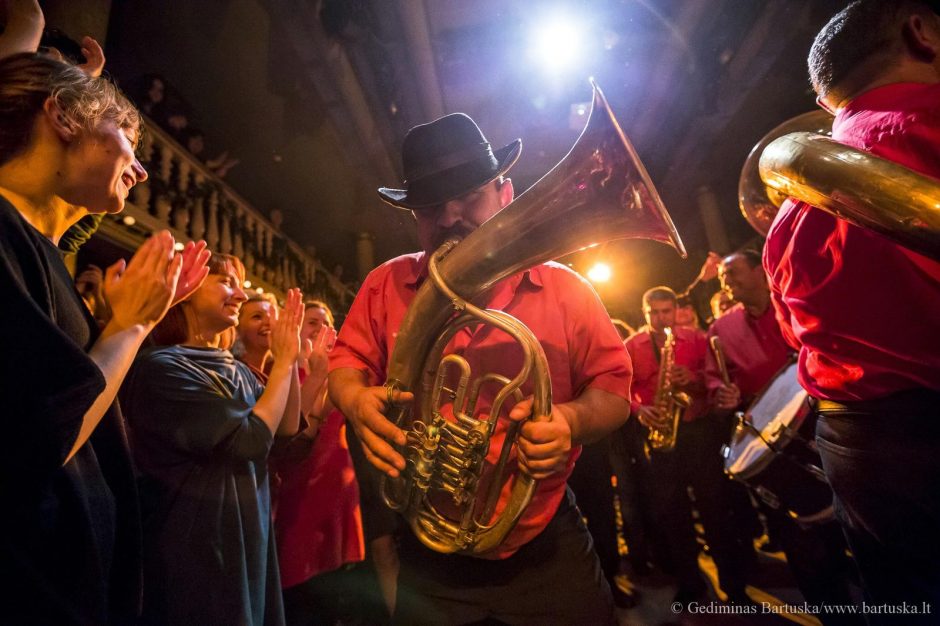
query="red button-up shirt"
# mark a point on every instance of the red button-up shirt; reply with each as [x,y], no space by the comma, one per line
[754,351]
[862,311]
[690,350]
[580,342]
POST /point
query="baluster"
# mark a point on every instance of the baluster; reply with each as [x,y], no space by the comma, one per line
[198,223]
[259,239]
[181,216]
[225,243]
[182,182]
[238,247]
[249,259]
[212,227]
[279,276]
[271,265]
[166,165]
[163,208]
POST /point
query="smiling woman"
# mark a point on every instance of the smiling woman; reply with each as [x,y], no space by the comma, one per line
[202,427]
[70,531]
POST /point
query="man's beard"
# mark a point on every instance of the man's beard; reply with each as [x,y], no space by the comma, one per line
[457,231]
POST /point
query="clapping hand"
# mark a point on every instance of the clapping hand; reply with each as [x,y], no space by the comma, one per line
[285,329]
[194,269]
[141,291]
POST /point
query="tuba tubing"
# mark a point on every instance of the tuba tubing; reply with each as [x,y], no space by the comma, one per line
[599,192]
[857,186]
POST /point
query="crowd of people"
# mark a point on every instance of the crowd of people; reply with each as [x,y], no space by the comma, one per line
[184,453]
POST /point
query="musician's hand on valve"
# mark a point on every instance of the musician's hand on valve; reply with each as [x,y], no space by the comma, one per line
[727,396]
[375,431]
[544,445]
[650,417]
[681,376]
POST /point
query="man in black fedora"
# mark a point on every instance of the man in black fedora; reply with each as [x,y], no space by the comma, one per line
[546,570]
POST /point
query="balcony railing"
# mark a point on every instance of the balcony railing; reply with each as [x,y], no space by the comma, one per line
[183,195]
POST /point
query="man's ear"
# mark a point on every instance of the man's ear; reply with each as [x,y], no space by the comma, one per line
[922,36]
[505,192]
[62,126]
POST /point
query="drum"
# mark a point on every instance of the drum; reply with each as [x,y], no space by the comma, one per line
[773,451]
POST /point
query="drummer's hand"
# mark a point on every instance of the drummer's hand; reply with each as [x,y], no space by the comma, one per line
[650,417]
[544,444]
[375,431]
[727,397]
[681,375]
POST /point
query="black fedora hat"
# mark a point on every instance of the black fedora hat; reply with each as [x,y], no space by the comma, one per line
[445,159]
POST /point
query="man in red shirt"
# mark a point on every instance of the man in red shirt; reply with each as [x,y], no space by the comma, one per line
[863,311]
[754,351]
[545,571]
[695,461]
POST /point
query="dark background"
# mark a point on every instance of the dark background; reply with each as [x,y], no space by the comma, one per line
[314,97]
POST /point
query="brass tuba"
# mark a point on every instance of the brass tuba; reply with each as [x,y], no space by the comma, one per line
[866,190]
[598,192]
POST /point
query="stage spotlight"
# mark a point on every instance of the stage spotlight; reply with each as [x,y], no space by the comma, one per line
[600,273]
[556,44]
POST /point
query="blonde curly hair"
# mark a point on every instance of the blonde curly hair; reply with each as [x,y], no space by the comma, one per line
[27,80]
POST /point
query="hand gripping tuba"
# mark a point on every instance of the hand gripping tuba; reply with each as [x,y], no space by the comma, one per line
[598,192]
[854,185]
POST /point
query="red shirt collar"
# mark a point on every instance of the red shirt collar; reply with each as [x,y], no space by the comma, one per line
[889,97]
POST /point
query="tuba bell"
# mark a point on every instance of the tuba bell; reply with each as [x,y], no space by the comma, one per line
[600,191]
[798,160]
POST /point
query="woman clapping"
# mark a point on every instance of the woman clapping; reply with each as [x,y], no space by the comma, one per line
[202,427]
[70,530]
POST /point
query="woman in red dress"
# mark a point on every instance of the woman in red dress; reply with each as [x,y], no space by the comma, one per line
[317,518]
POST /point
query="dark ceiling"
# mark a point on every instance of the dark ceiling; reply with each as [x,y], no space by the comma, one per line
[315,96]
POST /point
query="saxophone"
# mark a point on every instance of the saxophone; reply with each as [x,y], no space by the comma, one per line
[668,401]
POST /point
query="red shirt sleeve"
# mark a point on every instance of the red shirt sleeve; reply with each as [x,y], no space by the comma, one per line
[361,343]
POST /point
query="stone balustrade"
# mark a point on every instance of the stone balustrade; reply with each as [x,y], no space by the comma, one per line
[182,194]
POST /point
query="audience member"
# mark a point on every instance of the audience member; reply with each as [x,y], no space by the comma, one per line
[317,517]
[254,335]
[202,427]
[89,284]
[70,530]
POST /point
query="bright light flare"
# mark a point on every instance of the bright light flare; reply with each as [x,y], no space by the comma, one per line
[556,44]
[600,273]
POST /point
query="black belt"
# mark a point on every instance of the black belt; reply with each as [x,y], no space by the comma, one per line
[914,399]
